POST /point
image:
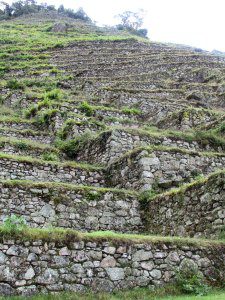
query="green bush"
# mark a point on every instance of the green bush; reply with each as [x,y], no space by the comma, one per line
[190,280]
[71,147]
[50,156]
[86,108]
[45,117]
[31,112]
[14,84]
[14,224]
[54,94]
[21,145]
[131,111]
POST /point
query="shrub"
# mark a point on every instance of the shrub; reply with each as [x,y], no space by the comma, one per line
[14,84]
[21,145]
[31,112]
[86,108]
[190,280]
[71,147]
[131,111]
[50,156]
[46,117]
[54,94]
[14,224]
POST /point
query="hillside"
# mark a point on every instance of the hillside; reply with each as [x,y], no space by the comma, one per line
[112,149]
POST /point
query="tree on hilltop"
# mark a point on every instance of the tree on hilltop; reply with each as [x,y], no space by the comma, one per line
[23,7]
[132,21]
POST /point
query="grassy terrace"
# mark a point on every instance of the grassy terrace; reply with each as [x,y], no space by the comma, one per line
[160,148]
[40,79]
[191,136]
[217,176]
[64,186]
[69,235]
[166,293]
[35,161]
[30,40]
[26,144]
[24,132]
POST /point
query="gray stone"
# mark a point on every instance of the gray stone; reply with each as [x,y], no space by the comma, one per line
[47,211]
[6,290]
[173,257]
[29,274]
[49,276]
[147,265]
[27,290]
[108,261]
[13,250]
[74,287]
[142,255]
[3,258]
[115,273]
[64,251]
[103,285]
[156,274]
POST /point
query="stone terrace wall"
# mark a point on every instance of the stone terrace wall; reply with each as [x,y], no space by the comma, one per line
[198,212]
[143,168]
[109,146]
[71,208]
[14,149]
[13,169]
[187,119]
[36,137]
[101,266]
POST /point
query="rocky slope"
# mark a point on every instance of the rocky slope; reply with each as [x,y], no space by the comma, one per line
[101,130]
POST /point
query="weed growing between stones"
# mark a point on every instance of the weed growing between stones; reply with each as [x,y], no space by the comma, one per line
[190,280]
[14,224]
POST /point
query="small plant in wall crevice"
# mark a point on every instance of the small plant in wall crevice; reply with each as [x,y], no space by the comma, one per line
[14,224]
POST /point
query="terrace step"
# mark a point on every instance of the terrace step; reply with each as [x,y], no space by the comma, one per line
[186,119]
[36,136]
[74,253]
[17,123]
[84,208]
[28,168]
[26,147]
[161,168]
[108,146]
[195,210]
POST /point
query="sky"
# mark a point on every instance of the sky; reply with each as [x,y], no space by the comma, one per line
[198,23]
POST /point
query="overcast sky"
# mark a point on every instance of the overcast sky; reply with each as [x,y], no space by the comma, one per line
[199,23]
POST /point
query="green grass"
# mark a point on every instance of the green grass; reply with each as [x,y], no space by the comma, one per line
[67,236]
[28,144]
[161,148]
[65,186]
[35,161]
[147,196]
[166,293]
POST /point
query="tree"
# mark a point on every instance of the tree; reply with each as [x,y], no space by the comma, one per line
[23,7]
[132,21]
[81,14]
[7,10]
[61,9]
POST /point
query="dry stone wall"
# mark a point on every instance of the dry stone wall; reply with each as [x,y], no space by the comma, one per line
[22,150]
[36,136]
[198,212]
[39,266]
[144,168]
[36,171]
[67,207]
[187,119]
[110,145]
